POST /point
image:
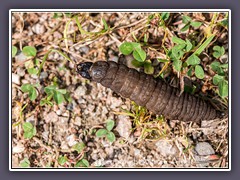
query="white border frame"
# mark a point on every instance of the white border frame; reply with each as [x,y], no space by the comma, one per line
[115,10]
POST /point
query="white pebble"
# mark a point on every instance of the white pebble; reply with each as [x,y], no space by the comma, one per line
[39,29]
[16,79]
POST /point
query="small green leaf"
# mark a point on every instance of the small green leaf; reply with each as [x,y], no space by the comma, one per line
[217,79]
[50,89]
[101,132]
[165,16]
[139,55]
[111,137]
[224,66]
[193,60]
[214,65]
[148,68]
[177,65]
[178,51]
[14,51]
[189,73]
[78,147]
[126,48]
[26,87]
[105,24]
[58,97]
[29,130]
[32,71]
[137,63]
[223,88]
[199,72]
[186,27]
[189,45]
[29,51]
[28,135]
[32,92]
[25,163]
[196,24]
[62,160]
[62,91]
[186,19]
[82,163]
[45,101]
[177,40]
[136,46]
[218,51]
[27,126]
[110,125]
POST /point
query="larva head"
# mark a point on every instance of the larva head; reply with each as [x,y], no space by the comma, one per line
[98,70]
[84,68]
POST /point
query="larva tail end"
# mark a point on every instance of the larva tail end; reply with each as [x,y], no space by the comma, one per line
[83,69]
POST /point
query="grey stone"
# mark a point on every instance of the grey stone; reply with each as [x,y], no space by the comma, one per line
[20,57]
[84,49]
[204,148]
[43,75]
[166,148]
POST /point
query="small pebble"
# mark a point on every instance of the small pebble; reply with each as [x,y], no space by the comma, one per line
[20,71]
[124,126]
[166,148]
[31,119]
[20,58]
[84,49]
[16,79]
[71,140]
[204,148]
[80,91]
[51,117]
[38,28]
[43,75]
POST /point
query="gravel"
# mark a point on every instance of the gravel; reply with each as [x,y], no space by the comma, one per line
[51,117]
[166,148]
[16,79]
[39,29]
[20,58]
[204,148]
[124,126]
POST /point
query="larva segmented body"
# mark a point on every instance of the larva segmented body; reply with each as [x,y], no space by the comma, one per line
[145,90]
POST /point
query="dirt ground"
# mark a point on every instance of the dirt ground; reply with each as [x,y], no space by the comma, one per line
[59,128]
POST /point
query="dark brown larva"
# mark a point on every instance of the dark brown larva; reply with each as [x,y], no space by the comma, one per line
[145,90]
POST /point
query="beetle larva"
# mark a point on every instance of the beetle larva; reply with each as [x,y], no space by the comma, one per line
[156,95]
